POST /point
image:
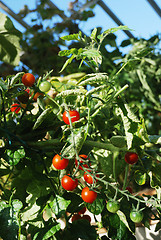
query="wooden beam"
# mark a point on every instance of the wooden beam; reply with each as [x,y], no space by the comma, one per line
[14,15]
[155,7]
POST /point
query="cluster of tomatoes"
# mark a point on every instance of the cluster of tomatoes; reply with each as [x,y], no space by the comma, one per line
[135,215]
[28,80]
[70,183]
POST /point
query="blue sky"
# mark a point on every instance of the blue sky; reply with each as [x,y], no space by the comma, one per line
[137,15]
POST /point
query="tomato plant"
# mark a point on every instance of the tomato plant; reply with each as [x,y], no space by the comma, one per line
[28,79]
[59,163]
[68,183]
[88,195]
[34,196]
[113,206]
[131,157]
[74,115]
[136,216]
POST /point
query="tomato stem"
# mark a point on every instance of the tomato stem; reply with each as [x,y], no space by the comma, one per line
[126,175]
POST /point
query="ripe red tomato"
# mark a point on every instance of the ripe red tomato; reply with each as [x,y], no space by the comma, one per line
[88,195]
[59,163]
[82,211]
[15,108]
[131,157]
[88,178]
[68,183]
[83,157]
[74,114]
[28,79]
[75,217]
[24,97]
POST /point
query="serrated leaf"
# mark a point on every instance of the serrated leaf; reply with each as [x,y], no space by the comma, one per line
[68,61]
[92,79]
[93,34]
[41,118]
[71,37]
[80,91]
[97,206]
[118,141]
[68,52]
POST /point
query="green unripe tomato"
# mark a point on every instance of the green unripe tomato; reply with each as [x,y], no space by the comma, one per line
[113,206]
[45,86]
[136,216]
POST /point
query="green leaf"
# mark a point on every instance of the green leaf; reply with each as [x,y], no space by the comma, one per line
[9,41]
[67,52]
[3,85]
[118,141]
[140,177]
[51,231]
[41,118]
[93,34]
[71,37]
[93,79]
[59,205]
[97,206]
[79,139]
[68,61]
[15,156]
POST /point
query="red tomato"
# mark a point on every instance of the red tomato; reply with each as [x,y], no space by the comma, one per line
[88,178]
[24,97]
[74,114]
[68,183]
[88,195]
[84,157]
[15,108]
[59,163]
[86,217]
[131,157]
[82,211]
[28,79]
[75,217]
